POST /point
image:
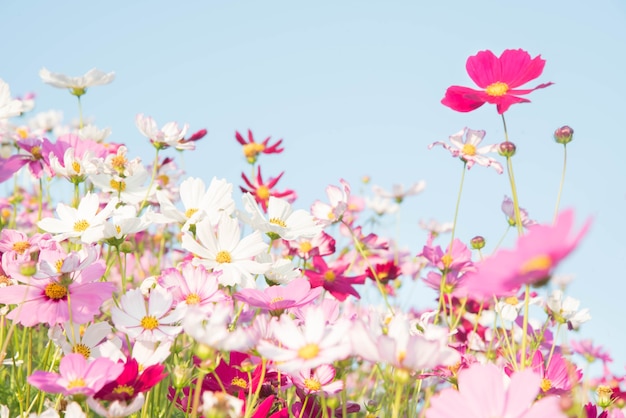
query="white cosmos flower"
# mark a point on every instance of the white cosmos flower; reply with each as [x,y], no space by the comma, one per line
[87,343]
[124,221]
[84,223]
[198,203]
[224,250]
[170,135]
[282,220]
[9,107]
[74,168]
[381,205]
[398,193]
[130,189]
[566,310]
[213,329]
[76,85]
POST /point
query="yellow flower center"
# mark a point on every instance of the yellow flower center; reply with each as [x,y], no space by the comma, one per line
[331,216]
[5,281]
[81,225]
[401,356]
[119,186]
[189,212]
[309,351]
[22,132]
[278,222]
[82,349]
[278,299]
[76,383]
[164,179]
[6,213]
[330,276]
[125,389]
[250,150]
[468,149]
[538,263]
[446,259]
[58,265]
[149,323]
[21,246]
[223,257]
[76,167]
[312,385]
[192,299]
[55,291]
[511,300]
[497,89]
[119,163]
[546,384]
[36,151]
[263,192]
[118,229]
[306,246]
[238,381]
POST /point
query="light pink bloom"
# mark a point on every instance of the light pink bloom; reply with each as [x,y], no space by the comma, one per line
[468,151]
[297,293]
[535,257]
[322,379]
[193,286]
[328,213]
[170,135]
[311,345]
[77,376]
[484,393]
[156,322]
[398,193]
[509,212]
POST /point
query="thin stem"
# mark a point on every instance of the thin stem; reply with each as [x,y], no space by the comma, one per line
[558,197]
[155,169]
[80,113]
[509,166]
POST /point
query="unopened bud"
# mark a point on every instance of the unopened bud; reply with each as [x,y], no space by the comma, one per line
[127,247]
[28,269]
[507,149]
[604,396]
[564,135]
[477,243]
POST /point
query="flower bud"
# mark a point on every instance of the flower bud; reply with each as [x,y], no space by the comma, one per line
[28,268]
[564,135]
[507,149]
[477,243]
[604,396]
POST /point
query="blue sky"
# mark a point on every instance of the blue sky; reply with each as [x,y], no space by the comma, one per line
[354,89]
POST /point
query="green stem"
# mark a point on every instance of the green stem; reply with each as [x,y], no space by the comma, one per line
[155,169]
[80,113]
[558,197]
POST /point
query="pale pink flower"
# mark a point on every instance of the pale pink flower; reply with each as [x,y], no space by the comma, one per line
[156,322]
[297,293]
[170,135]
[193,286]
[509,212]
[468,151]
[314,343]
[77,376]
[328,213]
[484,392]
[322,379]
[398,192]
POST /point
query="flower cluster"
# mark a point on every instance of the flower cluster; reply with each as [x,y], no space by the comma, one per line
[151,294]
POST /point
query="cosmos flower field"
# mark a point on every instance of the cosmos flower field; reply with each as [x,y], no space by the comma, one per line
[149,293]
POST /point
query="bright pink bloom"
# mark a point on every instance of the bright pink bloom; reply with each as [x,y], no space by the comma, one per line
[295,294]
[586,349]
[332,278]
[557,377]
[482,393]
[10,166]
[533,260]
[37,158]
[77,376]
[262,191]
[498,78]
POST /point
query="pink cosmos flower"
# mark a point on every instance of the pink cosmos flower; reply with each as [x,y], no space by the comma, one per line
[322,244]
[533,260]
[467,149]
[77,376]
[263,190]
[193,285]
[10,166]
[509,212]
[332,278]
[314,343]
[483,393]
[296,293]
[498,78]
[322,379]
[252,149]
[131,382]
[338,198]
[590,352]
[38,150]
[557,377]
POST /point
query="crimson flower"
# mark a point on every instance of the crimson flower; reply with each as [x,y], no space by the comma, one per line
[332,279]
[252,149]
[262,191]
[130,383]
[498,78]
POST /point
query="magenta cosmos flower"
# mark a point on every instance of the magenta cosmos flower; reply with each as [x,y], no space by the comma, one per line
[498,79]
[533,259]
[484,393]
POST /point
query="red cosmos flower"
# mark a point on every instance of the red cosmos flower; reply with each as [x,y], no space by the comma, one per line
[251,149]
[262,191]
[498,77]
